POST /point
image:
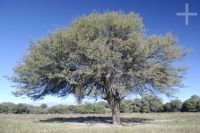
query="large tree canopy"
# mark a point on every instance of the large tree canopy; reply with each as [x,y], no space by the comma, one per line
[102,54]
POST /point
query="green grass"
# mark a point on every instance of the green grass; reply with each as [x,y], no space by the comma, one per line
[144,123]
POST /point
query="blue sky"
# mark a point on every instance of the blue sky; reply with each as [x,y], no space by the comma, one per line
[25,20]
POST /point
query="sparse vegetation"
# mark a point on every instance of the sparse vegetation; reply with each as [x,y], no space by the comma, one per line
[137,123]
[146,104]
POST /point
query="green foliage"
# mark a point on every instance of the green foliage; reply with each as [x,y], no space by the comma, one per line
[21,109]
[173,106]
[191,105]
[10,106]
[150,104]
[136,105]
[155,103]
[97,54]
[58,109]
[80,109]
[72,109]
[85,109]
[146,104]
[3,109]
[105,55]
[176,105]
[44,105]
[125,106]
[38,110]
[167,107]
[145,108]
[198,106]
[100,108]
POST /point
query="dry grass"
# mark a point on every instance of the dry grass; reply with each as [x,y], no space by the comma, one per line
[132,123]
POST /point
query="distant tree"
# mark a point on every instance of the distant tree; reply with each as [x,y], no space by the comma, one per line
[104,55]
[89,108]
[72,109]
[176,105]
[37,110]
[150,104]
[125,106]
[167,107]
[145,108]
[21,109]
[191,104]
[136,105]
[10,106]
[188,106]
[155,103]
[195,98]
[86,109]
[44,105]
[103,103]
[99,108]
[198,106]
[3,109]
[58,109]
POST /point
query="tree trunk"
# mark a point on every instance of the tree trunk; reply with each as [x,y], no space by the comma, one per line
[113,98]
[115,106]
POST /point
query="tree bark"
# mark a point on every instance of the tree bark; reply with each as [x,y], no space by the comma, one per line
[115,107]
[113,98]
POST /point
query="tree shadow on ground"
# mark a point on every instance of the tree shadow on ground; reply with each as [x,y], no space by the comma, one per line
[94,119]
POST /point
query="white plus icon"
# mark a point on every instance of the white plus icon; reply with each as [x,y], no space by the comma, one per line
[186,14]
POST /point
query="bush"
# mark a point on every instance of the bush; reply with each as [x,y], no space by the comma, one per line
[125,106]
[44,105]
[21,109]
[58,109]
[71,109]
[136,105]
[38,110]
[198,106]
[86,109]
[167,107]
[10,106]
[3,109]
[145,108]
[150,104]
[99,109]
[172,106]
[176,105]
[144,105]
[192,104]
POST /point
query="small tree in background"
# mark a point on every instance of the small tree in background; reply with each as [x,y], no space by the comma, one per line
[126,106]
[44,105]
[10,106]
[198,105]
[136,105]
[145,108]
[191,104]
[21,109]
[104,55]
[176,105]
[167,107]
[3,109]
[155,103]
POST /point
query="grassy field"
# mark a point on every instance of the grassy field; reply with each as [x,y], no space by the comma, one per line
[131,123]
